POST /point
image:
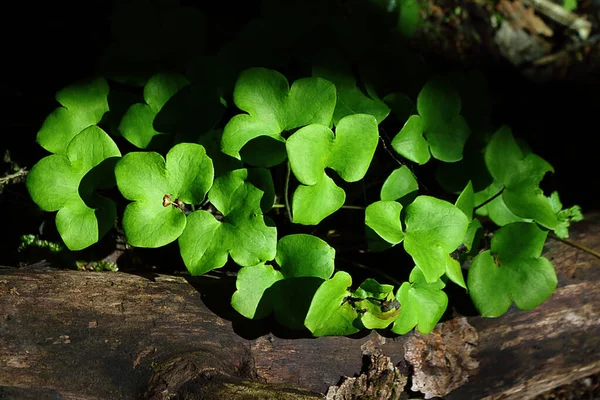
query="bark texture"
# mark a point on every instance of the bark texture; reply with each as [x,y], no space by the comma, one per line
[85,335]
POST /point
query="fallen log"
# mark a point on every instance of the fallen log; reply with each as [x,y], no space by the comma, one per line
[86,335]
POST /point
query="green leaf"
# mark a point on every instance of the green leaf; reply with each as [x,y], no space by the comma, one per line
[400,186]
[154,185]
[83,105]
[496,209]
[445,131]
[313,148]
[244,234]
[251,299]
[309,151]
[434,228]
[530,203]
[438,101]
[384,218]
[272,107]
[454,273]
[409,17]
[258,177]
[466,201]
[447,139]
[565,217]
[60,183]
[508,164]
[222,163]
[371,288]
[422,304]
[473,235]
[137,125]
[379,308]
[570,5]
[410,143]
[512,271]
[312,204]
[356,138]
[350,98]
[305,255]
[329,313]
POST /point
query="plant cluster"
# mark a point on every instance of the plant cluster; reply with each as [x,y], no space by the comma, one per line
[195,161]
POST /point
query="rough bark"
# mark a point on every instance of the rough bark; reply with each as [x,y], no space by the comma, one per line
[78,335]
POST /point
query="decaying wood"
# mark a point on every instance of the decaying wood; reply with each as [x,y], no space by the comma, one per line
[85,335]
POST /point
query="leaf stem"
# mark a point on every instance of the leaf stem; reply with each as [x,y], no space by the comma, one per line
[286,191]
[576,245]
[12,176]
[490,199]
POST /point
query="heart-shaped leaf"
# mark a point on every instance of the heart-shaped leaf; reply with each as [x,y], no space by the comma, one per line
[350,98]
[251,299]
[384,218]
[434,228]
[137,125]
[272,107]
[313,148]
[422,304]
[410,143]
[244,234]
[512,271]
[521,174]
[438,128]
[330,314]
[305,255]
[66,183]
[159,190]
[400,186]
[305,262]
[83,105]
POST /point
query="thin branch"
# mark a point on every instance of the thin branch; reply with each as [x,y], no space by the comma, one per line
[576,245]
[17,174]
[490,199]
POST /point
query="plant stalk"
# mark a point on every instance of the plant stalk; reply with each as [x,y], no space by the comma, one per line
[576,245]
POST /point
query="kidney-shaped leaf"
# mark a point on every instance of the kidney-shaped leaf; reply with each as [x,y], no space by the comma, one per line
[521,173]
[313,148]
[330,314]
[422,304]
[83,105]
[243,233]
[384,218]
[434,228]
[401,185]
[137,125]
[445,131]
[305,255]
[60,183]
[156,187]
[272,107]
[512,271]
[251,299]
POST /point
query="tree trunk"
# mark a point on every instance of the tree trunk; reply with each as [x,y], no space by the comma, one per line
[85,335]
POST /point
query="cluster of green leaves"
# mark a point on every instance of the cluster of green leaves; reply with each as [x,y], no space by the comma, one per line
[205,182]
